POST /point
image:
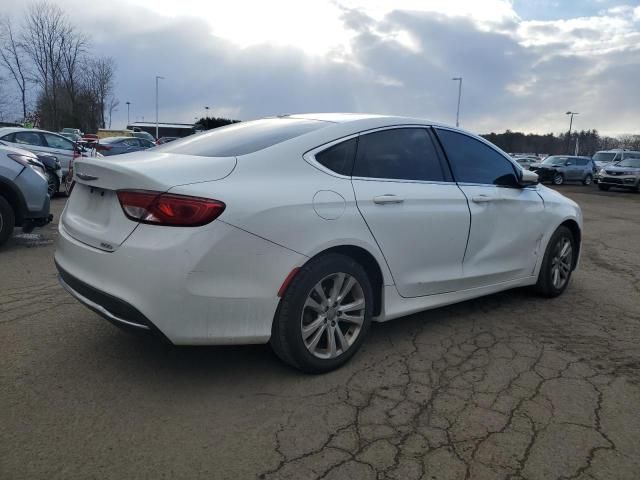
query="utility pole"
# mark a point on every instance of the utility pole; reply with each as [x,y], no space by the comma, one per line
[128,121]
[571,124]
[157,78]
[459,80]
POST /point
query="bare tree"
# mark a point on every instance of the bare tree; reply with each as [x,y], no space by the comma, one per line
[113,107]
[101,73]
[13,59]
[47,32]
[73,47]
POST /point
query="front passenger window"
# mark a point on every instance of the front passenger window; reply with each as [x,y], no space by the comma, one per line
[475,162]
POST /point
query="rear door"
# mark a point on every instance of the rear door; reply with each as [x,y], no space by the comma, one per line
[572,170]
[416,213]
[507,223]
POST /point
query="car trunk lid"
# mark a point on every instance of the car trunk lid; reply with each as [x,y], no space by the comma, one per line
[93,214]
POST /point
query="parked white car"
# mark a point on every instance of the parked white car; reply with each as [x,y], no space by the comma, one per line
[302,230]
[42,141]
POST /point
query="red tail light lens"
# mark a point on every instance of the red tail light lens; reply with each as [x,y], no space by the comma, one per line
[157,208]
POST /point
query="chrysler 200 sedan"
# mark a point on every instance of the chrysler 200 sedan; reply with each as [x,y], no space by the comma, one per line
[303,229]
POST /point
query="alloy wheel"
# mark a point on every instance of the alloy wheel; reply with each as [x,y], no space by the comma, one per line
[333,315]
[587,180]
[561,263]
[558,179]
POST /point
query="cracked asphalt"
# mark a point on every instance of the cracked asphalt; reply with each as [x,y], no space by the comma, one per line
[510,386]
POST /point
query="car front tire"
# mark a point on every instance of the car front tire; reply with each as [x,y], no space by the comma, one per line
[324,315]
[587,180]
[558,179]
[53,184]
[557,264]
[7,220]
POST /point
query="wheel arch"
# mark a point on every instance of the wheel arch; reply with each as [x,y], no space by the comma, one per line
[573,226]
[371,266]
[14,197]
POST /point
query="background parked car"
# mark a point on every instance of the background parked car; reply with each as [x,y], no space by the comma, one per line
[74,137]
[527,162]
[144,135]
[41,141]
[24,200]
[562,168]
[623,174]
[166,140]
[119,145]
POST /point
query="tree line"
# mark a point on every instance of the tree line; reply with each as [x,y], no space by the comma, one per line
[588,142]
[56,79]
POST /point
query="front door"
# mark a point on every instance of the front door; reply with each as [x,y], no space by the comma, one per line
[417,214]
[506,220]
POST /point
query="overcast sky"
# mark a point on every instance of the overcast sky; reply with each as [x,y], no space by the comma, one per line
[524,62]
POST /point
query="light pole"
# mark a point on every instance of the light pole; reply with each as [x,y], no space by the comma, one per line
[128,121]
[459,80]
[157,78]
[571,124]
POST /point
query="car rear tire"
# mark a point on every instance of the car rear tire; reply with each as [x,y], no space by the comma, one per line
[602,187]
[7,220]
[558,179]
[324,315]
[558,263]
[587,180]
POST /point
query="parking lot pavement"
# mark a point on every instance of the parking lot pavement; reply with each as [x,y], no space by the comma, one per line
[508,386]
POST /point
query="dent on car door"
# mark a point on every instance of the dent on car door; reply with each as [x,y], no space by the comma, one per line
[507,222]
[415,212]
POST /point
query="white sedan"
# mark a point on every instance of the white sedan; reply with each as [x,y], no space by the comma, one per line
[303,229]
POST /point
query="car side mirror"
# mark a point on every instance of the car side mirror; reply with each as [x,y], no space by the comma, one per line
[527,178]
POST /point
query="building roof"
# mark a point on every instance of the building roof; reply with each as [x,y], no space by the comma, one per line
[163,125]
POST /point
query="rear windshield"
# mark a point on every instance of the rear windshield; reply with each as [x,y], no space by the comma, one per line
[113,139]
[242,138]
[604,157]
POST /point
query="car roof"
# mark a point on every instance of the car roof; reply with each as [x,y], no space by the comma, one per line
[23,129]
[347,117]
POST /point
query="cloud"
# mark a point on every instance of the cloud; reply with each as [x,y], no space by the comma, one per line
[518,74]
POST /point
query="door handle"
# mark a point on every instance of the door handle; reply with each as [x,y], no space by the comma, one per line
[483,199]
[387,198]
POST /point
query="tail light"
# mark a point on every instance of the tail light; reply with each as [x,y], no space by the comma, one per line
[157,208]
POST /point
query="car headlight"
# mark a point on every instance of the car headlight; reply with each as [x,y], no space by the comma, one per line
[29,162]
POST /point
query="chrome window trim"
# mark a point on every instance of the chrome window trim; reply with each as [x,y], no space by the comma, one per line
[310,156]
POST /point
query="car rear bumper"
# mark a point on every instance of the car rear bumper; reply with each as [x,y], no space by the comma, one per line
[163,279]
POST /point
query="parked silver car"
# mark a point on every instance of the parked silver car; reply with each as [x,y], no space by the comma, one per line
[559,169]
[24,199]
[624,174]
[119,145]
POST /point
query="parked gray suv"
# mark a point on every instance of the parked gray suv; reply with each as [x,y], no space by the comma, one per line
[559,169]
[24,196]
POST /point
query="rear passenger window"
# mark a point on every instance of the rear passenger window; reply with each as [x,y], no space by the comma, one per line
[399,153]
[339,158]
[28,138]
[474,162]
